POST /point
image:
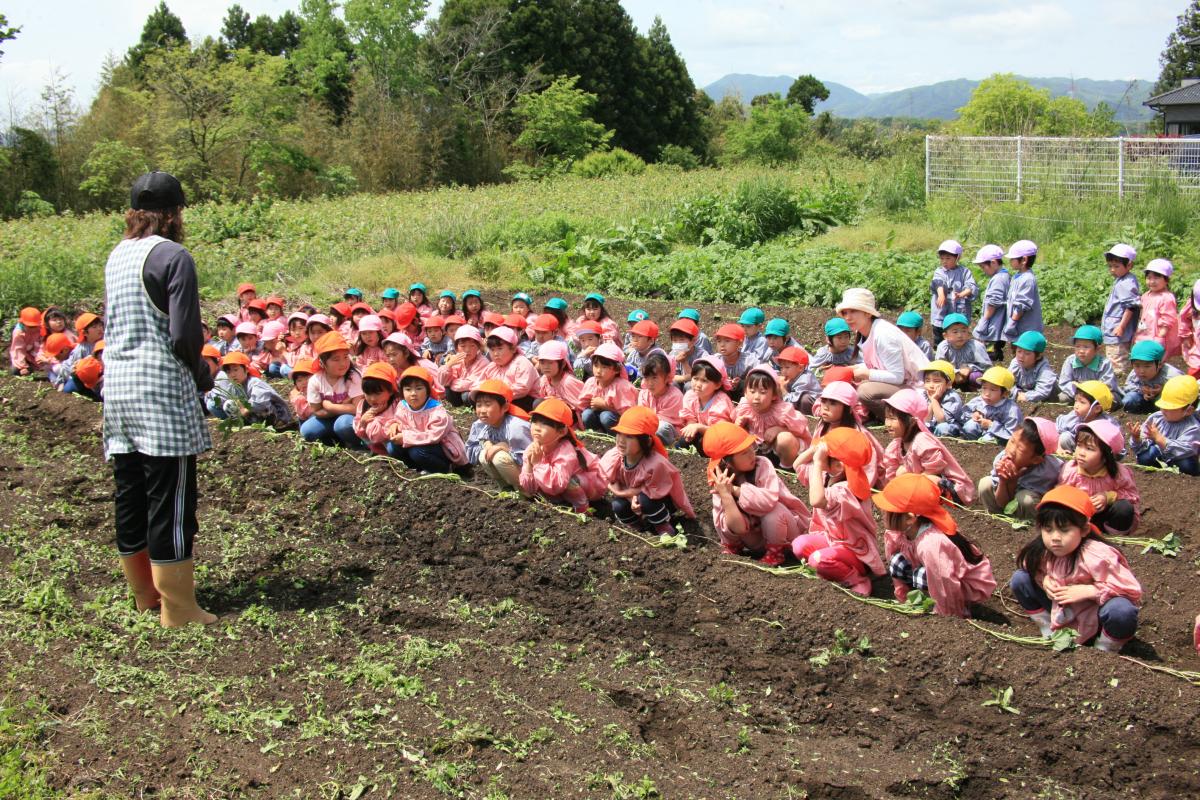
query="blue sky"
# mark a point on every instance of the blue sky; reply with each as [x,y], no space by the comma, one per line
[869,45]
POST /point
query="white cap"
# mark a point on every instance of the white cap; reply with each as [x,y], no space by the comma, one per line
[859,300]
[950,246]
[989,252]
[1122,251]
[1022,249]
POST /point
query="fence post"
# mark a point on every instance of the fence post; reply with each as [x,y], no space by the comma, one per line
[1018,169]
[927,167]
[1121,167]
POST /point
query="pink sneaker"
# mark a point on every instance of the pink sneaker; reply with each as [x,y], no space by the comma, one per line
[730,550]
[776,555]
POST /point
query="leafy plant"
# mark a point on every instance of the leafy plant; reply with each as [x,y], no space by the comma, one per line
[1002,699]
[843,645]
[1169,545]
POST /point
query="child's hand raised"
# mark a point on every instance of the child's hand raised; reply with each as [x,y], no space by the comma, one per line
[722,481]
[1135,431]
[533,453]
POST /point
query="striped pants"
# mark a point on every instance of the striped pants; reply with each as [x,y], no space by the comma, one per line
[155,505]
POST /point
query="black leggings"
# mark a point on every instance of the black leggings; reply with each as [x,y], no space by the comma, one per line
[1117,518]
[155,505]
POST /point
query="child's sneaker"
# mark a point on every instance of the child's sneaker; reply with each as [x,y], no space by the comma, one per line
[776,554]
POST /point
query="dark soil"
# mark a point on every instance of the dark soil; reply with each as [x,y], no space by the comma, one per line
[581,661]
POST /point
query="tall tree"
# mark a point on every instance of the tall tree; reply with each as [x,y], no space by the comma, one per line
[235,29]
[1179,60]
[669,94]
[6,33]
[385,40]
[323,58]
[805,91]
[162,29]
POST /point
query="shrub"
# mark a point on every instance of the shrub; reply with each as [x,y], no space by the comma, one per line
[609,162]
[672,155]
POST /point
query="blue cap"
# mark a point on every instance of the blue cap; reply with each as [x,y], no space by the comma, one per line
[472,293]
[1032,341]
[557,303]
[910,319]
[690,313]
[354,292]
[599,298]
[417,286]
[1089,333]
[524,298]
[390,294]
[1147,350]
[752,316]
[835,326]
[637,315]
[778,327]
[444,293]
[954,319]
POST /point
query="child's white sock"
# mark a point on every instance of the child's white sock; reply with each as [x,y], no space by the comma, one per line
[1042,618]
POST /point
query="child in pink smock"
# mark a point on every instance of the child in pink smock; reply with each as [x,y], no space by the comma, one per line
[1189,331]
[840,544]
[377,412]
[1159,320]
[707,402]
[368,346]
[301,372]
[1069,577]
[608,393]
[645,486]
[510,365]
[781,430]
[555,465]
[466,368]
[914,449]
[423,435]
[557,379]
[660,394]
[1095,468]
[838,407]
[753,509]
[926,552]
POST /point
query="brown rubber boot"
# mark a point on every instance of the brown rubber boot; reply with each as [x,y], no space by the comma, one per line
[177,585]
[141,582]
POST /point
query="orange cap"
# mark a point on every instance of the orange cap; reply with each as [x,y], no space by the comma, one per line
[208,351]
[493,318]
[554,409]
[686,327]
[915,493]
[56,343]
[503,390]
[237,358]
[362,307]
[796,355]
[342,308]
[30,316]
[724,439]
[404,314]
[435,321]
[731,331]
[645,328]
[98,347]
[587,326]
[851,447]
[545,322]
[245,287]
[88,370]
[459,319]
[330,343]
[514,321]
[275,300]
[83,321]
[1072,497]
[383,371]
[258,304]
[303,366]
[640,421]
[838,375]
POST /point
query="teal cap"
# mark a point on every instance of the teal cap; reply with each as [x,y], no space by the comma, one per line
[910,319]
[752,316]
[637,315]
[690,313]
[1089,333]
[354,292]
[472,293]
[599,298]
[778,327]
[954,319]
[390,294]
[1032,341]
[835,326]
[524,298]
[417,286]
[443,293]
[557,303]
[1147,350]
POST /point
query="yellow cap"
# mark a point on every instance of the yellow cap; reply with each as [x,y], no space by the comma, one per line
[1000,376]
[944,367]
[1098,391]
[1179,392]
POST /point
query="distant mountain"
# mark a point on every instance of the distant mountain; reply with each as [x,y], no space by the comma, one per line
[940,100]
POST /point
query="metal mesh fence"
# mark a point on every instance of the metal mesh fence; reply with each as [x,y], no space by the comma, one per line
[1004,168]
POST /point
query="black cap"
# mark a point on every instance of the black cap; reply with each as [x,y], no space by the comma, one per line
[155,191]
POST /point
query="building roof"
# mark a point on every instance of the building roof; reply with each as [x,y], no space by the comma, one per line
[1183,96]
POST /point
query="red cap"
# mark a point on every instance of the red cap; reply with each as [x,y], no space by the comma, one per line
[547,323]
[245,287]
[645,328]
[686,327]
[731,331]
[796,355]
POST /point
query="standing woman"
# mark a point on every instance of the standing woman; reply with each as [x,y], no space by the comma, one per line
[891,361]
[153,423]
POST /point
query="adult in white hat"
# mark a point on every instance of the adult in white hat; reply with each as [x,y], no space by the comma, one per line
[891,361]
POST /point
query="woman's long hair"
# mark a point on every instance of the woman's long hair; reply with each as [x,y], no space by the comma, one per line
[167,223]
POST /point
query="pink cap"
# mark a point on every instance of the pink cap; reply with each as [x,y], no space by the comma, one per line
[320,318]
[611,352]
[841,392]
[370,322]
[1122,251]
[989,252]
[298,315]
[717,363]
[1160,266]
[950,246]
[1047,432]
[766,369]
[1107,432]
[554,350]
[908,401]
[273,330]
[1022,249]
[468,332]
[246,327]
[401,338]
[504,334]
[230,319]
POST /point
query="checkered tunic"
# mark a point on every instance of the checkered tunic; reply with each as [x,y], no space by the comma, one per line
[151,404]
